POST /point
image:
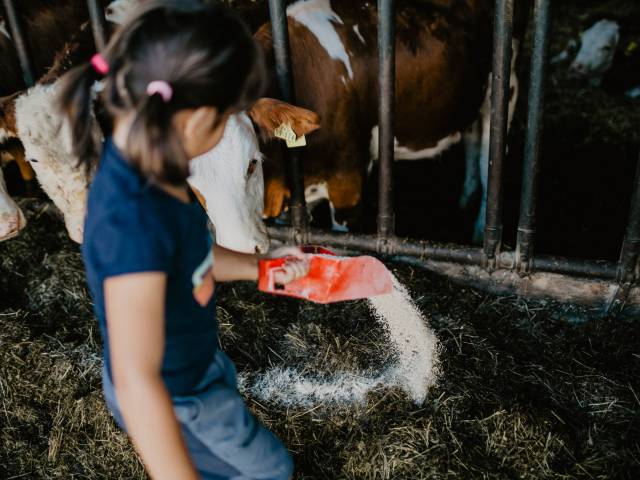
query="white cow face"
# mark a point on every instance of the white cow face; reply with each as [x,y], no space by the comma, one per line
[597,51]
[47,143]
[118,10]
[230,180]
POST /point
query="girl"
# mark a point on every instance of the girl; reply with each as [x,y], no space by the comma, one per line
[173,75]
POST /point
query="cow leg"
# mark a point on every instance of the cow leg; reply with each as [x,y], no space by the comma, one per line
[483,160]
[482,131]
[12,219]
[478,231]
[471,173]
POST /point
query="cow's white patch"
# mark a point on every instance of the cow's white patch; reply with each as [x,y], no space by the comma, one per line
[597,50]
[46,137]
[356,29]
[319,18]
[119,10]
[11,217]
[3,29]
[235,198]
[405,153]
[317,192]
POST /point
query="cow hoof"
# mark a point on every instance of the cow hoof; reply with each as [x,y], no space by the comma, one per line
[478,236]
[11,224]
[340,227]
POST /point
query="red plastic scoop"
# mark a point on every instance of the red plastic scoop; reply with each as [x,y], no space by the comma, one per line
[331,278]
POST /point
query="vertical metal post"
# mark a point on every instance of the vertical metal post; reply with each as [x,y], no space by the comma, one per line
[527,222]
[22,49]
[502,34]
[96,14]
[280,34]
[628,265]
[386,117]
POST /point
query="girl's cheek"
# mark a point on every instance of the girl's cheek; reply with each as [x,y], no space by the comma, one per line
[206,141]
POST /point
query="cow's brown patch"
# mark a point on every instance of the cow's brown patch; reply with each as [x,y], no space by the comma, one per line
[8,114]
[276,194]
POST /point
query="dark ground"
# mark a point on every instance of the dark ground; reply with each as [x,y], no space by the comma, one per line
[526,390]
[524,393]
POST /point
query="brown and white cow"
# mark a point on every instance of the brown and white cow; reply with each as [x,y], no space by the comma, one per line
[443,52]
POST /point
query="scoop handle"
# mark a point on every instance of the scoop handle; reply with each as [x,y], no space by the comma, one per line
[267,269]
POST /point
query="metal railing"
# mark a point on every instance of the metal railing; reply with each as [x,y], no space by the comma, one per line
[523,260]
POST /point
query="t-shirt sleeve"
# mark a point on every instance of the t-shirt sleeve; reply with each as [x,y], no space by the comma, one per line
[130,241]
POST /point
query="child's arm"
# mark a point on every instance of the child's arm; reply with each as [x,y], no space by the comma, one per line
[229,265]
[135,315]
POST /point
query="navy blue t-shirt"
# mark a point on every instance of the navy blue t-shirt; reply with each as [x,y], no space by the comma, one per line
[134,226]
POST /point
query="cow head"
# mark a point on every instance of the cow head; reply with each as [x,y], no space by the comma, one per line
[597,51]
[229,179]
[46,138]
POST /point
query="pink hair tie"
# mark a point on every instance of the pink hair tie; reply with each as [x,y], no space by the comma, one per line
[99,64]
[162,88]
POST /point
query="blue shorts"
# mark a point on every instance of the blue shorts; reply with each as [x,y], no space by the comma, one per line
[224,439]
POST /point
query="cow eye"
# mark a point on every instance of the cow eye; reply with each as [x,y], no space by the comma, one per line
[607,48]
[252,167]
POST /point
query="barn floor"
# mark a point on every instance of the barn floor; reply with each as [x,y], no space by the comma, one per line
[528,389]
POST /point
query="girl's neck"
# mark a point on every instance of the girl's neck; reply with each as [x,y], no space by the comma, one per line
[119,137]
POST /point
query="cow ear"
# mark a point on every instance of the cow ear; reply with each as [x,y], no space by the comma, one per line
[268,114]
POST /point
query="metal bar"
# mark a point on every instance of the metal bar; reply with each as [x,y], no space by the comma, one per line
[280,34]
[451,253]
[582,268]
[22,49]
[386,118]
[630,252]
[98,22]
[502,34]
[527,222]
[397,246]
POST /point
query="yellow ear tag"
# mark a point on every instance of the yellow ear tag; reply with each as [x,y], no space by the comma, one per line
[286,133]
[632,47]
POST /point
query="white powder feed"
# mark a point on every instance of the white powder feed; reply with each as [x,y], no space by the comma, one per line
[414,368]
[415,344]
[291,388]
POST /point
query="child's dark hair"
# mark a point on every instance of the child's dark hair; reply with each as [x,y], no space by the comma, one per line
[201,49]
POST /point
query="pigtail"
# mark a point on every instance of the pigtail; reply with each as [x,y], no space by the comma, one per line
[154,145]
[75,101]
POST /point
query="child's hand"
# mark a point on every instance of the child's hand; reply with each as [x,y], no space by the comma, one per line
[293,269]
[281,252]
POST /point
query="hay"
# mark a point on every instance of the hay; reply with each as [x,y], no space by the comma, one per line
[523,392]
[528,389]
